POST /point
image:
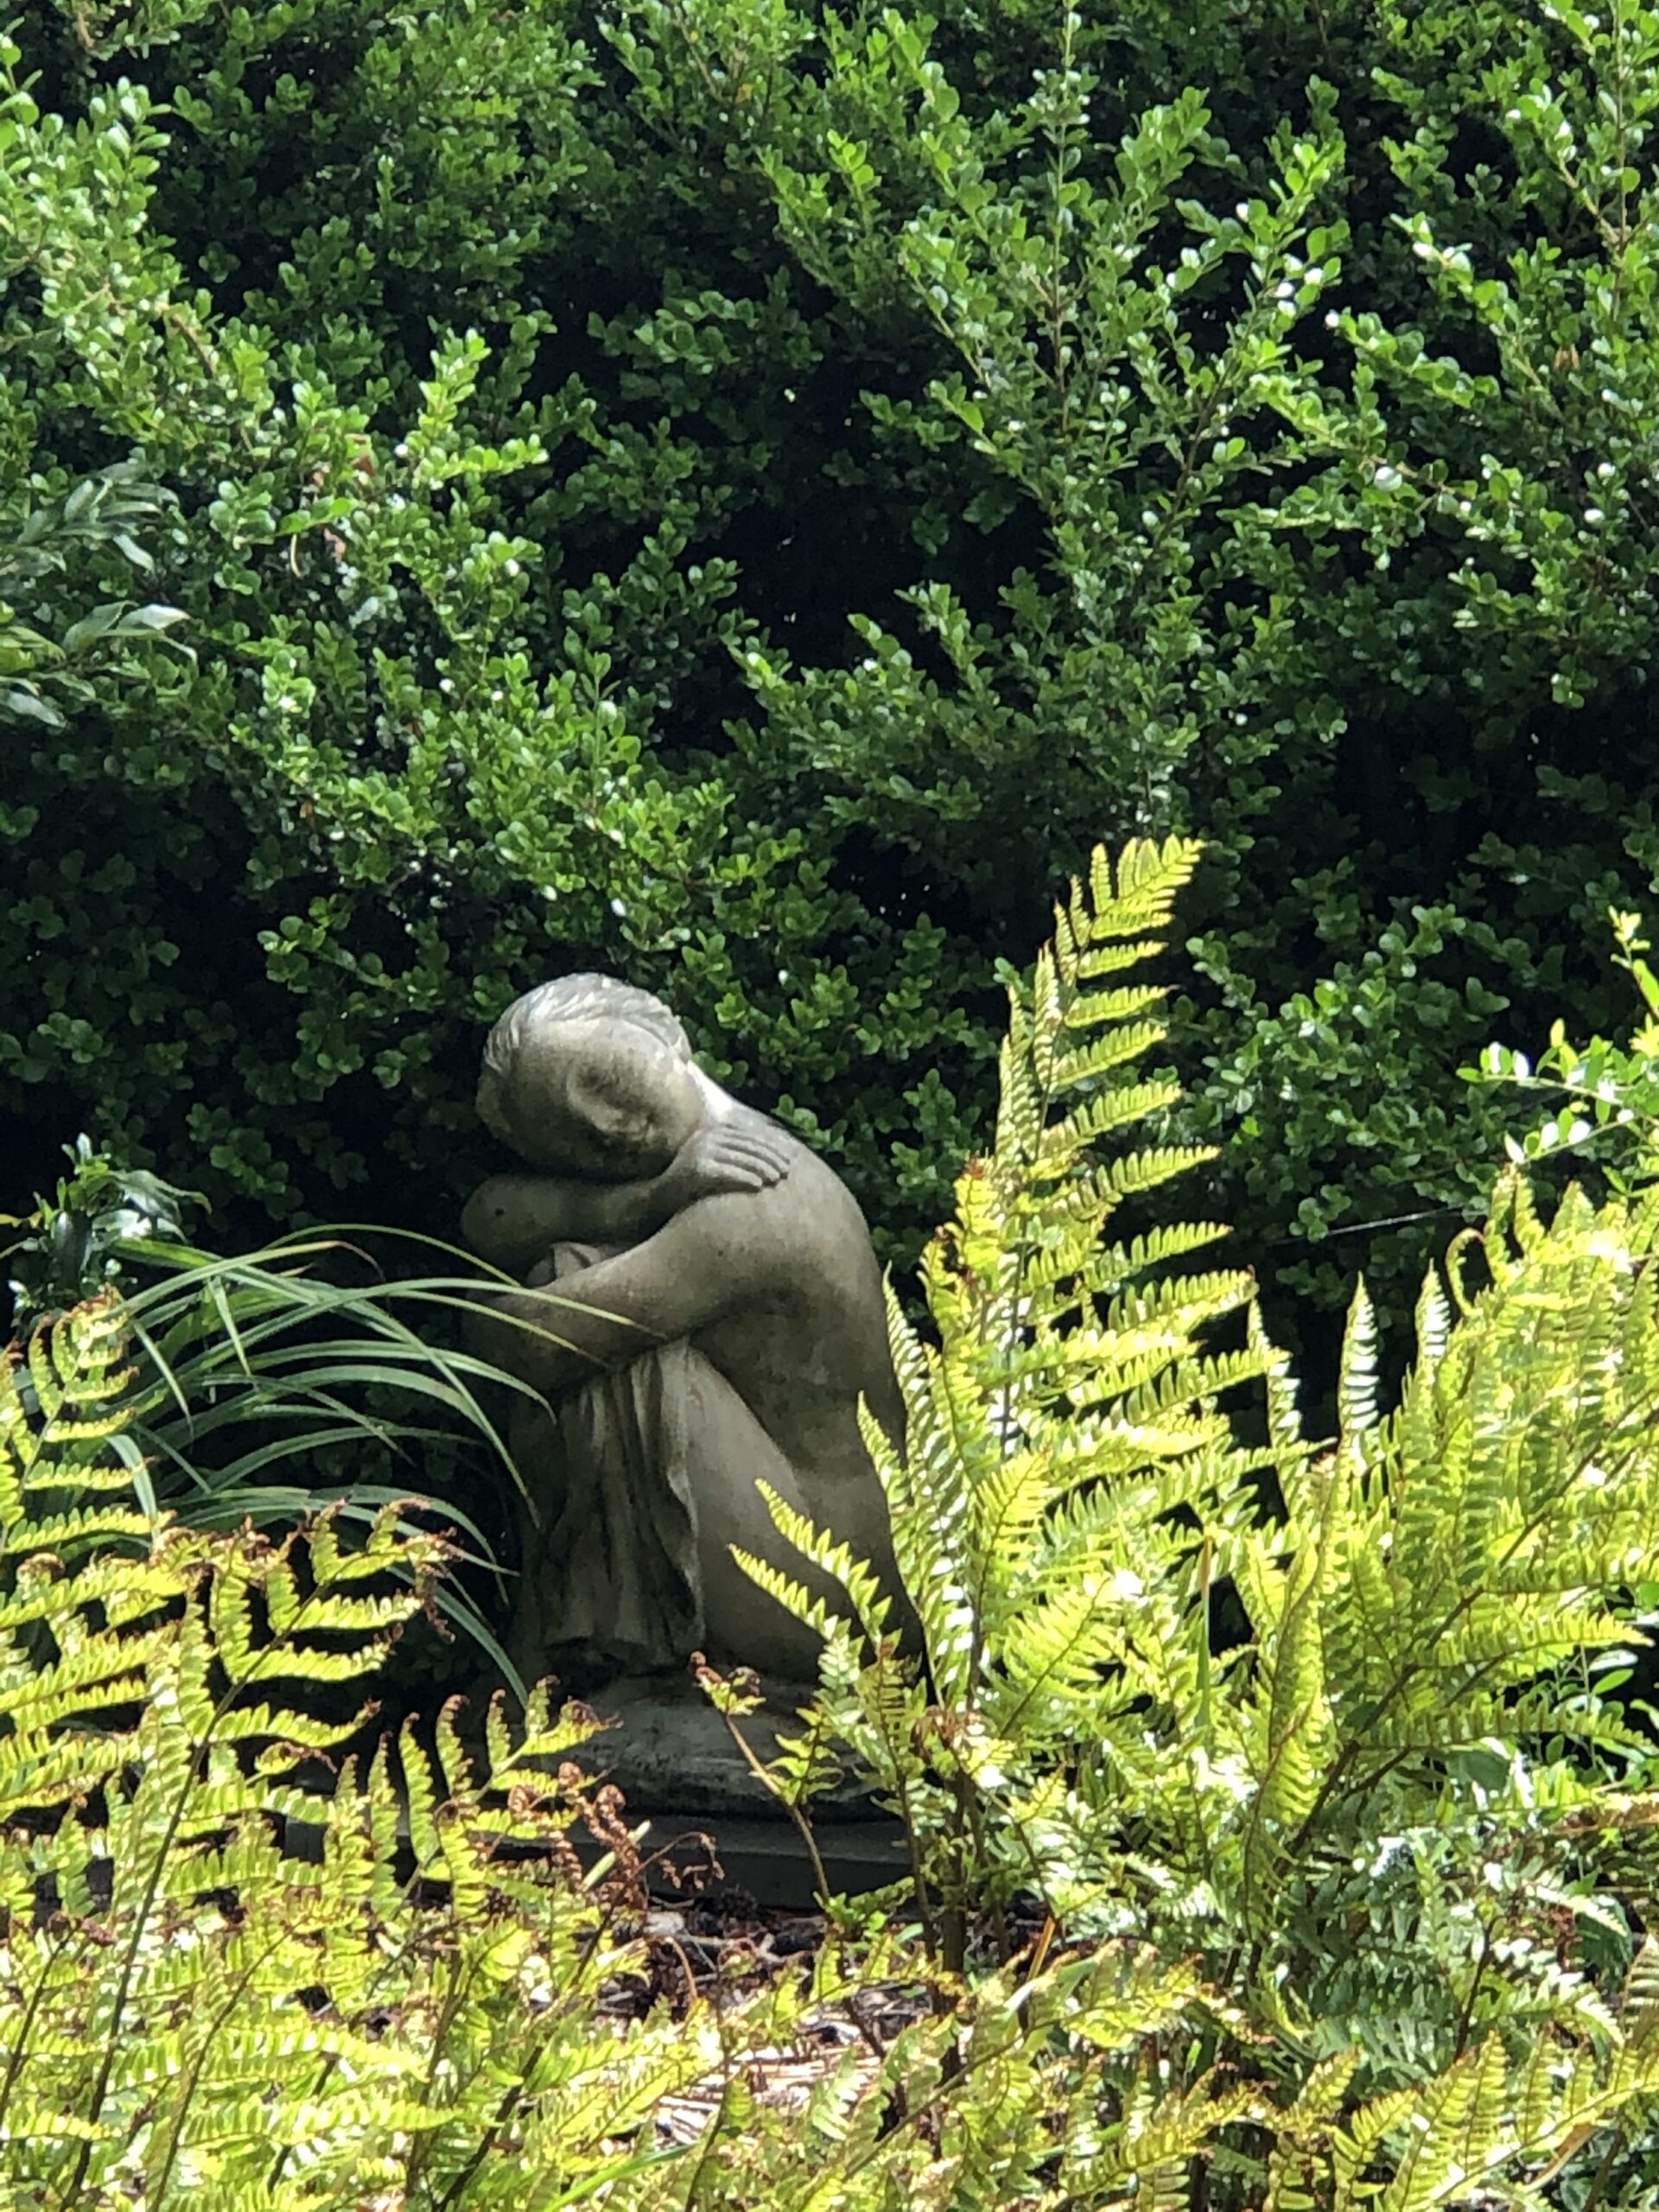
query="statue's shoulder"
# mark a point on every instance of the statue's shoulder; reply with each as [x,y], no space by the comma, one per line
[825,1207]
[810,1213]
[802,1155]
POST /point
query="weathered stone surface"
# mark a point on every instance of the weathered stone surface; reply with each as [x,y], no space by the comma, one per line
[668,1748]
[702,1310]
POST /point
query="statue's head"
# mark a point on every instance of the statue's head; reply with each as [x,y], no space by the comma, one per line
[590,1078]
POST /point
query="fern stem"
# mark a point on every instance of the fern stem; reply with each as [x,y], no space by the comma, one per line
[926,1907]
[1603,2174]
[511,2098]
[711,2134]
[803,1826]
[516,2093]
[1411,1670]
[158,2193]
[20,2048]
[954,2067]
[421,2145]
[1466,2011]
[129,1964]
[972,1812]
[1040,1948]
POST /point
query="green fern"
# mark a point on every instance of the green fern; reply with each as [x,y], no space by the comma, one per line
[184,2008]
[1067,1409]
[1340,1810]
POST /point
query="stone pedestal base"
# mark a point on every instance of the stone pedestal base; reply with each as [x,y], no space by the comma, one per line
[668,1746]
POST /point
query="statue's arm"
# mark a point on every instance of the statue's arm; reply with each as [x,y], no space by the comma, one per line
[691,1273]
[513,1221]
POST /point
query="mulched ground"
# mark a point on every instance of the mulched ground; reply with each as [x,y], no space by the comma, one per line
[724,1945]
[712,1944]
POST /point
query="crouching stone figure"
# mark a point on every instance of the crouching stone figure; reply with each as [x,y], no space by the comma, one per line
[707,1312]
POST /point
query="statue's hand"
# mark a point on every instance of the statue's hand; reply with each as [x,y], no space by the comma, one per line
[728,1156]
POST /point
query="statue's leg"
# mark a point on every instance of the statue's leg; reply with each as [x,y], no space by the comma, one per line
[728,1454]
[608,1576]
[644,1479]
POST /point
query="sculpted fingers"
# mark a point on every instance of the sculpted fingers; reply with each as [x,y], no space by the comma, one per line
[746,1158]
[761,1153]
[729,1168]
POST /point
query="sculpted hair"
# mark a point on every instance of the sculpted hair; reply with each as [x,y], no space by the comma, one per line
[572,998]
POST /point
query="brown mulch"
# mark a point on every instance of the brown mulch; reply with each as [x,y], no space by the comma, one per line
[704,1941]
[719,1945]
[723,1946]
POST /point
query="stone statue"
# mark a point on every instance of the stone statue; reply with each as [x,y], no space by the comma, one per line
[707,1311]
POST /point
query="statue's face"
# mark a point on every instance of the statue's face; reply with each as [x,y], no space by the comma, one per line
[602,1100]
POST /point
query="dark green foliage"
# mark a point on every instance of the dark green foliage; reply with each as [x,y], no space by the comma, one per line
[745,497]
[71,1244]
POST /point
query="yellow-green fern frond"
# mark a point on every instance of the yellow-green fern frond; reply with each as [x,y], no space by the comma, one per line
[1069,1398]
